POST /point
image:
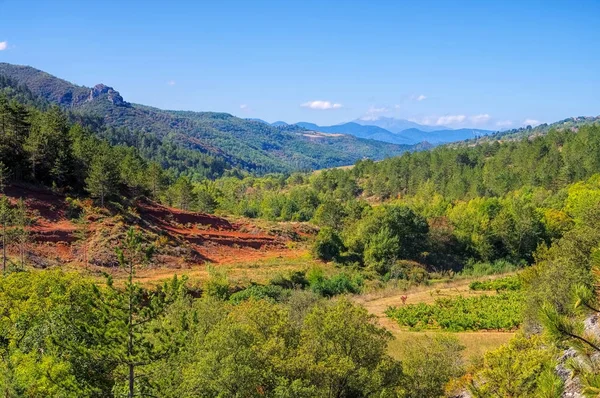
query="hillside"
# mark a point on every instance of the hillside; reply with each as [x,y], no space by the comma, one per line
[188,239]
[251,145]
[570,124]
[361,131]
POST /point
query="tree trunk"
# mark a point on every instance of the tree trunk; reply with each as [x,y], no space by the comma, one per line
[130,331]
[131,378]
[3,246]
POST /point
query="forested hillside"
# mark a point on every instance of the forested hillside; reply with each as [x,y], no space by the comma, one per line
[242,143]
[90,328]
[572,123]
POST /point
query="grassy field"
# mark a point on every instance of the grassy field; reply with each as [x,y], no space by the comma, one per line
[259,270]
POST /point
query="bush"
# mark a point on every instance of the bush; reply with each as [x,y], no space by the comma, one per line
[260,292]
[341,283]
[217,285]
[508,283]
[490,268]
[533,359]
[388,233]
[328,246]
[295,280]
[429,362]
[408,270]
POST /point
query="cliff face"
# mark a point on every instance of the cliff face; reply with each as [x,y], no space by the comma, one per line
[100,90]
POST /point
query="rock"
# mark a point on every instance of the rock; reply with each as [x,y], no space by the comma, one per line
[112,95]
[592,326]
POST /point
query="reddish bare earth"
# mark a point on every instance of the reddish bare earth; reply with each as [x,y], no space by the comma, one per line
[187,238]
[215,239]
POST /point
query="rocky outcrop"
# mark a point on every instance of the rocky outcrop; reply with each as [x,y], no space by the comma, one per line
[112,95]
[572,386]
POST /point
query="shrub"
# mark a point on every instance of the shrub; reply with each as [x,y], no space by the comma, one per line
[508,283]
[336,285]
[328,246]
[296,279]
[217,285]
[260,292]
[490,268]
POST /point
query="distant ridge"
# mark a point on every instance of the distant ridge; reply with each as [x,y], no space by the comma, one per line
[249,144]
[408,136]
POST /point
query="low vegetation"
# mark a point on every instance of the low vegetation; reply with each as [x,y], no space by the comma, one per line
[486,312]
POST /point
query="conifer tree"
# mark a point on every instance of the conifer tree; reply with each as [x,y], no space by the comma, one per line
[103,176]
[3,177]
[156,179]
[184,193]
[5,219]
[21,233]
[122,321]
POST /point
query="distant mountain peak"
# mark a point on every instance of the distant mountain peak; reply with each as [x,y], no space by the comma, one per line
[396,125]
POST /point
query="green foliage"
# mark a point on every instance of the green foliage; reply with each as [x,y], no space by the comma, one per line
[340,283]
[328,245]
[489,268]
[342,352]
[387,234]
[429,363]
[507,283]
[330,214]
[498,312]
[217,285]
[103,177]
[522,368]
[259,292]
[259,347]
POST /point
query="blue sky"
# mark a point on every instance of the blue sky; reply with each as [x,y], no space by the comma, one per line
[458,63]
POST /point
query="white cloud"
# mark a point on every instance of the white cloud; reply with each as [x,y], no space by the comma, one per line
[171,82]
[373,112]
[321,105]
[504,123]
[421,97]
[531,122]
[3,45]
[450,119]
[479,119]
[244,106]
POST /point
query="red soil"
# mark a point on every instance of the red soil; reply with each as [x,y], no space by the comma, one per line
[212,239]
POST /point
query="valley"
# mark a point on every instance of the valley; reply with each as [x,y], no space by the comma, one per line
[243,200]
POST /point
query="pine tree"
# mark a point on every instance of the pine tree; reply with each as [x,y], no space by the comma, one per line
[123,322]
[36,146]
[5,219]
[103,177]
[156,179]
[22,223]
[3,177]
[183,191]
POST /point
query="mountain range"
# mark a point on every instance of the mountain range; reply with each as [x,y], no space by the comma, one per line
[398,131]
[249,144]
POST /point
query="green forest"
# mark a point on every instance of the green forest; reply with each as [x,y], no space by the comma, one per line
[528,207]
